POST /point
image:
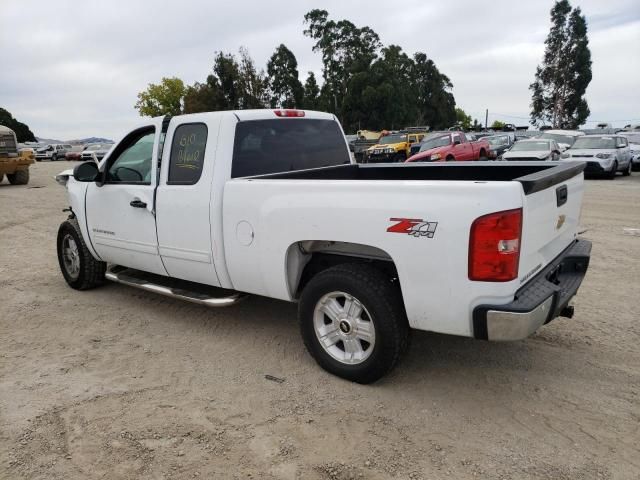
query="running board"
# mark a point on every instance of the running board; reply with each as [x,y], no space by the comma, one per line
[175,288]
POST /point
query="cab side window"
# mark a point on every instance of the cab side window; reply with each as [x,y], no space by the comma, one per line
[187,154]
[132,162]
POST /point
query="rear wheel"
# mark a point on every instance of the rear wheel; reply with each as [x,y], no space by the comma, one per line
[79,268]
[21,177]
[353,323]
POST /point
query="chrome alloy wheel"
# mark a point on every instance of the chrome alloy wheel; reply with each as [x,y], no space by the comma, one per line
[71,256]
[344,328]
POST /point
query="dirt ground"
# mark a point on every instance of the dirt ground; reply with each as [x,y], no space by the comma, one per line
[117,383]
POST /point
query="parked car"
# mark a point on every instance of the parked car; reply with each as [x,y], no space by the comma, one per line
[52,152]
[95,151]
[395,147]
[634,148]
[496,258]
[535,149]
[564,138]
[499,144]
[75,153]
[604,154]
[451,146]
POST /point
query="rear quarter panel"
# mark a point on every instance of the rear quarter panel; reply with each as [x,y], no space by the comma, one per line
[432,271]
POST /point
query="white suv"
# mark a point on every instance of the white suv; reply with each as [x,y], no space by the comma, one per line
[604,154]
[53,152]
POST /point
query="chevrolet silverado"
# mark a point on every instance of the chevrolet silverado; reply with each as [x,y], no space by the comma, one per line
[210,207]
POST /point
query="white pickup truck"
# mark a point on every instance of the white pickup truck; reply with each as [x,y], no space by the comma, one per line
[208,207]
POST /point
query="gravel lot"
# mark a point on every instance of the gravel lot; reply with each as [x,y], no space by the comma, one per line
[117,383]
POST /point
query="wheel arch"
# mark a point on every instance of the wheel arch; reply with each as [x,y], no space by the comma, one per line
[306,258]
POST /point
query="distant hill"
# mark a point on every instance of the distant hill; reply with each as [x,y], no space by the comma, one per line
[80,141]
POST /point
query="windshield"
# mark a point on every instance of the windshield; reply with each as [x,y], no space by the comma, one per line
[530,146]
[435,143]
[389,139]
[567,139]
[594,142]
[632,137]
[496,141]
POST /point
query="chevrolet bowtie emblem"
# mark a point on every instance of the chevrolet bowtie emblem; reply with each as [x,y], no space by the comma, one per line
[561,219]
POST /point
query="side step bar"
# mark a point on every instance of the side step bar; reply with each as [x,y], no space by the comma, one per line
[172,287]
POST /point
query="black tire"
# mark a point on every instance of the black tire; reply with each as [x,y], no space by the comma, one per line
[614,169]
[483,155]
[382,302]
[400,157]
[91,271]
[450,158]
[1,177]
[627,171]
[21,177]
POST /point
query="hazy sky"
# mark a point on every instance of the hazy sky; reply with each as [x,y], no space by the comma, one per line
[72,69]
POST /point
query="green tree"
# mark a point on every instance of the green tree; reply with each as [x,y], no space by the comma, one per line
[22,131]
[204,97]
[565,73]
[284,85]
[165,98]
[253,84]
[497,125]
[436,104]
[346,50]
[311,98]
[462,119]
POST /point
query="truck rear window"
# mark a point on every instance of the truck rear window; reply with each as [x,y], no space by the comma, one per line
[284,145]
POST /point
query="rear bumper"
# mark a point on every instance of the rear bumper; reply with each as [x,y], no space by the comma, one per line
[538,302]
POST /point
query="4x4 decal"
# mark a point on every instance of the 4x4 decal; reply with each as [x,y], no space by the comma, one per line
[413,226]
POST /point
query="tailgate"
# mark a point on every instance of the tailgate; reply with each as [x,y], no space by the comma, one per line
[552,201]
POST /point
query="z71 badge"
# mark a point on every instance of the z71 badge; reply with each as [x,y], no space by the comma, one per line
[413,226]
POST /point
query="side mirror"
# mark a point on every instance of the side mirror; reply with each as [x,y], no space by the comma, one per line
[86,172]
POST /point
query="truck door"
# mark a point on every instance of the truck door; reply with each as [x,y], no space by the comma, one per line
[120,218]
[185,200]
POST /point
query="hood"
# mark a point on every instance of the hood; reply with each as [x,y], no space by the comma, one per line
[425,154]
[589,152]
[395,146]
[539,154]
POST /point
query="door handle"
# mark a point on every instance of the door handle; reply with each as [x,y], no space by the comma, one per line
[138,203]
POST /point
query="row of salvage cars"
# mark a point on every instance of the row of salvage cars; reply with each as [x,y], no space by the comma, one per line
[604,154]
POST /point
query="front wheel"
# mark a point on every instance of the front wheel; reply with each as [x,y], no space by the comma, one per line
[627,171]
[353,323]
[79,268]
[482,156]
[614,170]
[21,177]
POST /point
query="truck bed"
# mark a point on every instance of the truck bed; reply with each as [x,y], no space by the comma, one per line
[534,176]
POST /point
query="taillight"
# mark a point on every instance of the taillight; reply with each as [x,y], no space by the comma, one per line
[494,246]
[289,113]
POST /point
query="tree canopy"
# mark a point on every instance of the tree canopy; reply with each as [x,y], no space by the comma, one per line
[22,131]
[165,98]
[367,85]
